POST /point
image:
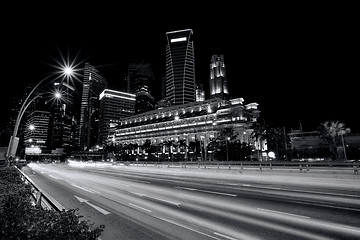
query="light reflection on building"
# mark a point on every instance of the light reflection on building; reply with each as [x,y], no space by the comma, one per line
[197,120]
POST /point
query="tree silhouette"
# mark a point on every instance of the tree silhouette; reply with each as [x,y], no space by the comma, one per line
[332,132]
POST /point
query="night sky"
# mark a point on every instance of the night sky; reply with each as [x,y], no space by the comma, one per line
[299,63]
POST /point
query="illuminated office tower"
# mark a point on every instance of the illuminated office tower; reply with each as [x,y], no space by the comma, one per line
[93,85]
[180,67]
[36,132]
[114,106]
[218,82]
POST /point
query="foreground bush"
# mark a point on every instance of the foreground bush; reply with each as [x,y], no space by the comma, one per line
[21,219]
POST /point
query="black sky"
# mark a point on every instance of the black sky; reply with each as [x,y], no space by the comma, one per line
[299,63]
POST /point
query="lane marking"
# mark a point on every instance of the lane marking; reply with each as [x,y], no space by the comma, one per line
[190,189]
[82,200]
[85,189]
[224,236]
[54,177]
[163,200]
[183,226]
[341,227]
[219,193]
[284,213]
[136,206]
[206,191]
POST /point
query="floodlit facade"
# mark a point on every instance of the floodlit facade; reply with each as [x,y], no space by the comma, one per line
[180,67]
[114,106]
[200,121]
[218,82]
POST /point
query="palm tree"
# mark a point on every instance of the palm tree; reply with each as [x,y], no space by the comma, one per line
[333,132]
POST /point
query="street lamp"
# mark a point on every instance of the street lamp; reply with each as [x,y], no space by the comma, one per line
[14,140]
[227,148]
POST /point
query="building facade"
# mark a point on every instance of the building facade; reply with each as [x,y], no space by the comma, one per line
[189,122]
[93,85]
[114,106]
[140,81]
[218,81]
[36,132]
[180,67]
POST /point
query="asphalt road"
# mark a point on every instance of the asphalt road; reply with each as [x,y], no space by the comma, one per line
[151,203]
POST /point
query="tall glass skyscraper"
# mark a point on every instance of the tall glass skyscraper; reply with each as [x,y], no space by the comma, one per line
[218,82]
[93,85]
[180,67]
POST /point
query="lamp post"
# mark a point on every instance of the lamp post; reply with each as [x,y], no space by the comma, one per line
[227,148]
[11,151]
[343,145]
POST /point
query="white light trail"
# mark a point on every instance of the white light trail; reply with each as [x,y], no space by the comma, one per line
[289,214]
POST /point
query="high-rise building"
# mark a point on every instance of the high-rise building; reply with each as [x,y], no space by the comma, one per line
[200,93]
[218,81]
[93,85]
[114,106]
[36,132]
[140,79]
[64,125]
[180,67]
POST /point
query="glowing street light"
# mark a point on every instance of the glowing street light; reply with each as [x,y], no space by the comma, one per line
[32,127]
[14,140]
[66,70]
[227,148]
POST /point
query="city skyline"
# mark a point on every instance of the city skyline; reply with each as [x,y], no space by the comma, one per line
[299,70]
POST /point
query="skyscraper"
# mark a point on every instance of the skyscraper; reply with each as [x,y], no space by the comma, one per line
[180,67]
[140,81]
[114,105]
[218,82]
[93,85]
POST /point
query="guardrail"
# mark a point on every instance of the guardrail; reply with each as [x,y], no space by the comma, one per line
[349,167]
[40,198]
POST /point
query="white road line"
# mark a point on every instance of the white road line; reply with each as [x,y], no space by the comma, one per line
[246,185]
[219,193]
[190,189]
[85,189]
[271,188]
[206,191]
[341,227]
[136,206]
[284,213]
[191,229]
[82,200]
[103,211]
[224,236]
[163,200]
[53,177]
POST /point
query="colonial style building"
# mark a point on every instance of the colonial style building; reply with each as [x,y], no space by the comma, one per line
[201,121]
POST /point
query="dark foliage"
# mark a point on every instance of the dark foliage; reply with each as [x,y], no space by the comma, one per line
[21,219]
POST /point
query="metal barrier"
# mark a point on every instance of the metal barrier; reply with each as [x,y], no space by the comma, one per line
[40,198]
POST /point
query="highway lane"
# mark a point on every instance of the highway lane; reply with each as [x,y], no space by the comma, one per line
[175,206]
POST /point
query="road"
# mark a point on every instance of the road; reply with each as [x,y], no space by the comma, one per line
[137,203]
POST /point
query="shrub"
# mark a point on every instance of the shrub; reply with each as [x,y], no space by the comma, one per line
[21,219]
